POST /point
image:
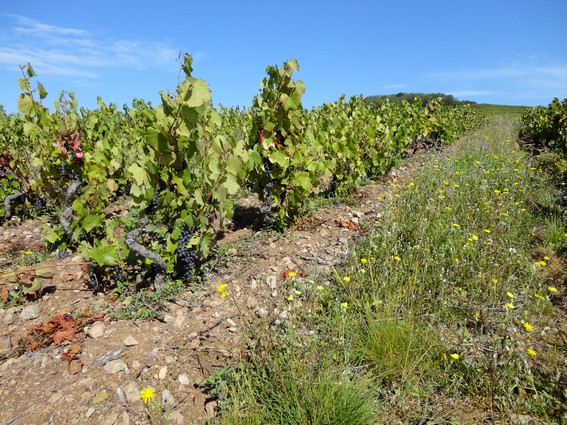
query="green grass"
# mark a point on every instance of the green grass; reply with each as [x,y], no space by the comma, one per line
[451,312]
[511,111]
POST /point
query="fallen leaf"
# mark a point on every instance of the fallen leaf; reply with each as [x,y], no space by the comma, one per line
[75,366]
[72,352]
[346,224]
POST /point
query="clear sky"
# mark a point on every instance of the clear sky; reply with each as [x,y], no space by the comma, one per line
[494,51]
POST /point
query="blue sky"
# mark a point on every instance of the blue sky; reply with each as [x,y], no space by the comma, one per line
[494,51]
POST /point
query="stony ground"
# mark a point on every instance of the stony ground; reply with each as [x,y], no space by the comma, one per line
[97,377]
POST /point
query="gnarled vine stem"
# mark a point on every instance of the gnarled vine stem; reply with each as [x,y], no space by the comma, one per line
[132,243]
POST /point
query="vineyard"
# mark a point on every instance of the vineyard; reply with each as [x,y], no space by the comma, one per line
[179,166]
[353,263]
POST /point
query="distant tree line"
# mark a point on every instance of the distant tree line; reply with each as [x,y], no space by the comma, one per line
[446,99]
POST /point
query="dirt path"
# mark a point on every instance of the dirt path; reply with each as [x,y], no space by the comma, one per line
[200,331]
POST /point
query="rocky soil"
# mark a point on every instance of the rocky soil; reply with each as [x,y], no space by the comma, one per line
[96,377]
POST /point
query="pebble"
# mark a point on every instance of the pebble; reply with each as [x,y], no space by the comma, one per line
[272,281]
[100,396]
[130,341]
[8,319]
[96,330]
[176,418]
[167,398]
[183,379]
[178,322]
[29,312]
[210,409]
[162,373]
[132,392]
[90,412]
[115,366]
[230,322]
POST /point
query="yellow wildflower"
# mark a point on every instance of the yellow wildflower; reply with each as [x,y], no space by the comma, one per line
[346,279]
[363,260]
[344,306]
[292,274]
[147,394]
[510,306]
[222,287]
[320,288]
[532,352]
[397,258]
[552,289]
[528,327]
[455,356]
[510,295]
[290,298]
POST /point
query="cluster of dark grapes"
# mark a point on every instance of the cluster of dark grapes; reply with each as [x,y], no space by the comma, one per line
[95,282]
[119,274]
[152,206]
[128,187]
[64,171]
[38,204]
[186,258]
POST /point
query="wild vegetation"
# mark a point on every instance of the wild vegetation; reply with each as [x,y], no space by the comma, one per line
[452,311]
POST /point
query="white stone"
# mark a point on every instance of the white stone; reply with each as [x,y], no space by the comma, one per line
[132,392]
[8,319]
[115,366]
[29,312]
[96,330]
[183,379]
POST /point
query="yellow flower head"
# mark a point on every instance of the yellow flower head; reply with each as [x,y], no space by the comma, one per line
[455,356]
[346,279]
[292,274]
[290,298]
[510,306]
[147,394]
[532,352]
[528,327]
[510,295]
[397,258]
[344,306]
[28,252]
[320,288]
[222,287]
[552,289]
[363,260]
[487,231]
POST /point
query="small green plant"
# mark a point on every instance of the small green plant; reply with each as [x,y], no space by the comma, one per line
[156,414]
